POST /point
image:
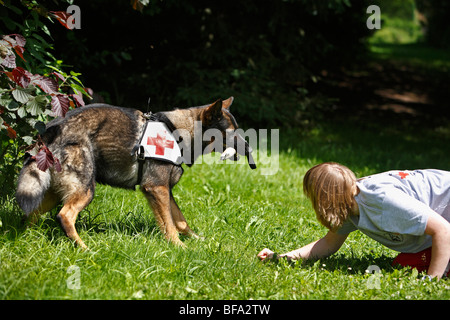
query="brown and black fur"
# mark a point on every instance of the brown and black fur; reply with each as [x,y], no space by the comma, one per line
[95,144]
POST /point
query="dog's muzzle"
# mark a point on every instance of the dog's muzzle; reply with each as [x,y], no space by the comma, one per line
[236,145]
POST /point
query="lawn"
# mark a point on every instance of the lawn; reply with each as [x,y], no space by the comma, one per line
[238,211]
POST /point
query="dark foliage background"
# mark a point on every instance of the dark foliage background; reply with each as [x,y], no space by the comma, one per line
[268,54]
[288,63]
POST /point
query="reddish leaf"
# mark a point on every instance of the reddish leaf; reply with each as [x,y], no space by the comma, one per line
[89,91]
[78,98]
[137,5]
[21,77]
[28,73]
[44,159]
[19,50]
[20,40]
[60,105]
[9,40]
[10,131]
[17,44]
[46,84]
[9,74]
[9,61]
[59,76]
[62,17]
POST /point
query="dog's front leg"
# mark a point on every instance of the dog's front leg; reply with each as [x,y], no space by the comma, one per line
[159,199]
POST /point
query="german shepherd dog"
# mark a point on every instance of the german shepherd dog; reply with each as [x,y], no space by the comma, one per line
[96,143]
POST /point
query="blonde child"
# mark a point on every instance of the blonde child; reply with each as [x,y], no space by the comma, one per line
[407,211]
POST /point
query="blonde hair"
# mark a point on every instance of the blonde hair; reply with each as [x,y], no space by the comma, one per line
[331,187]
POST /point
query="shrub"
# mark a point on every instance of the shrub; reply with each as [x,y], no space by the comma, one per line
[33,89]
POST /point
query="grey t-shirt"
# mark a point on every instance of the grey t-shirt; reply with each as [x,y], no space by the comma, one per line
[394,207]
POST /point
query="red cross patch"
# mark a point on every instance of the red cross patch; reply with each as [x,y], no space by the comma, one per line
[159,143]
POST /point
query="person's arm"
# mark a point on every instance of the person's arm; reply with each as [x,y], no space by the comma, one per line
[321,248]
[439,230]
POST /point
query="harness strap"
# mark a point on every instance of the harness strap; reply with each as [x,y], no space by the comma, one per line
[139,149]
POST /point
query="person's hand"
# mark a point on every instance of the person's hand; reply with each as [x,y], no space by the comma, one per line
[266,254]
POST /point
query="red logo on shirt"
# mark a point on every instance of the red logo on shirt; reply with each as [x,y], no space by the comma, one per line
[403,175]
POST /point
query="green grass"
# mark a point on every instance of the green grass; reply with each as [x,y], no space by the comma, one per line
[239,212]
[397,30]
[401,39]
[418,55]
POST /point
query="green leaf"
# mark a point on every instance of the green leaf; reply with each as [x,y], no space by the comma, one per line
[27,139]
[414,274]
[35,106]
[12,105]
[22,112]
[126,56]
[14,9]
[77,88]
[42,99]
[5,100]
[46,30]
[65,75]
[21,95]
[78,80]
[73,73]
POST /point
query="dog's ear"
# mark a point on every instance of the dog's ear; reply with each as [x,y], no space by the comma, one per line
[212,113]
[227,103]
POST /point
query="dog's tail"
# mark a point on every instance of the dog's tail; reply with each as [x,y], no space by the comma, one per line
[31,186]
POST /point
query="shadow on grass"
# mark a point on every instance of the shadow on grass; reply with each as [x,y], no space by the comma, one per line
[416,53]
[13,225]
[344,264]
[354,265]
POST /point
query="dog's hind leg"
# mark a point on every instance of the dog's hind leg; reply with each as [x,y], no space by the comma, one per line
[159,199]
[180,222]
[68,214]
[50,201]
